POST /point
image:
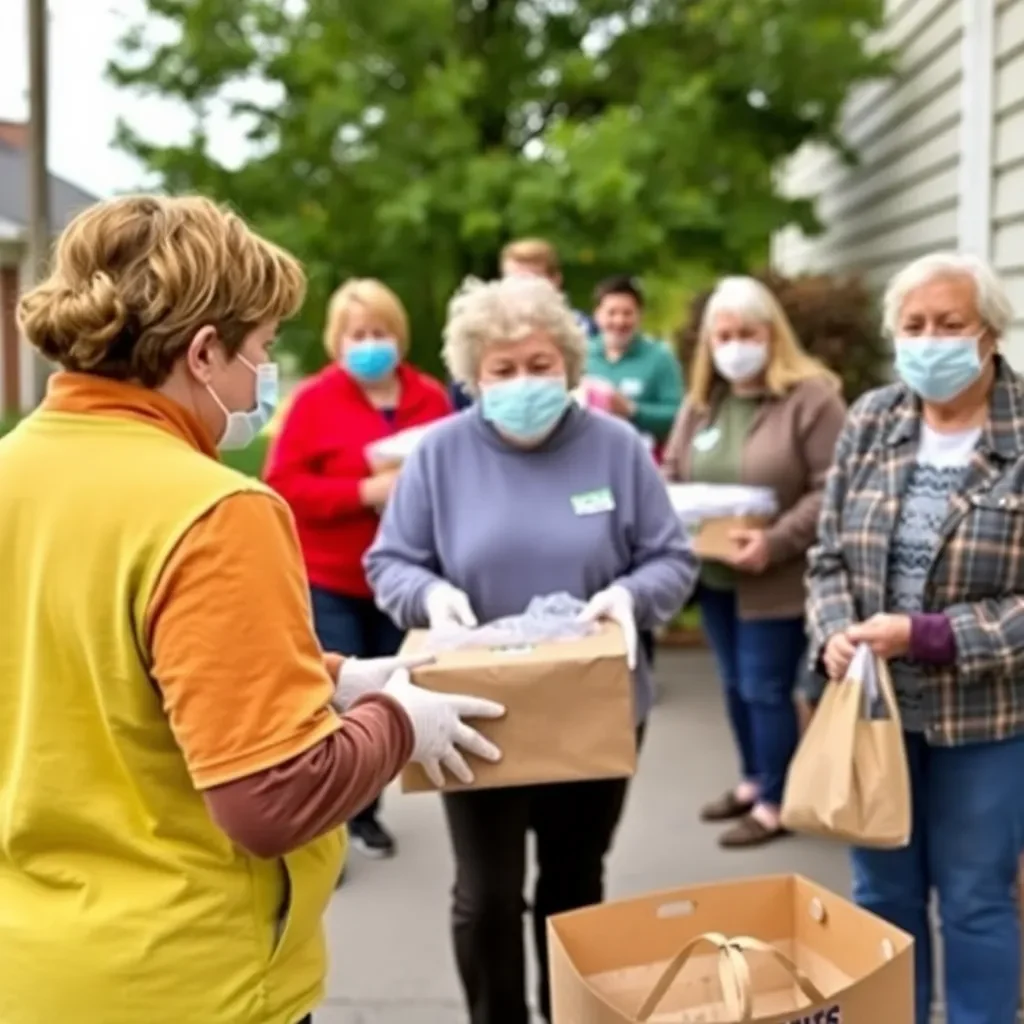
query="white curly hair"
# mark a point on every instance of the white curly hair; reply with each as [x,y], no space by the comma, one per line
[484,313]
[994,307]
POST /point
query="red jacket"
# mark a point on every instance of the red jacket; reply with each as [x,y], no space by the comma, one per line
[317,461]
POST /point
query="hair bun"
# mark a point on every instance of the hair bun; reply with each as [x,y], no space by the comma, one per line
[74,325]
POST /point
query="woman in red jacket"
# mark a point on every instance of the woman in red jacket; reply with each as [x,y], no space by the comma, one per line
[318,465]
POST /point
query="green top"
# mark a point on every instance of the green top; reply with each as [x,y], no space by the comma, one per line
[648,374]
[717,459]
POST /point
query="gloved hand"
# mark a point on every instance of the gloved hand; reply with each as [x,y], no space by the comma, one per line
[448,606]
[616,604]
[360,676]
[437,724]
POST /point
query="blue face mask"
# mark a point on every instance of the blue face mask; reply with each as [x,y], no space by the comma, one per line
[938,369]
[371,360]
[525,408]
[242,427]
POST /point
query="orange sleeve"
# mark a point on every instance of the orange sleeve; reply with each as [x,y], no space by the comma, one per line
[233,651]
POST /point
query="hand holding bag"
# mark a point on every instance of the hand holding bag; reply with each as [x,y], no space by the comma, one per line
[849,779]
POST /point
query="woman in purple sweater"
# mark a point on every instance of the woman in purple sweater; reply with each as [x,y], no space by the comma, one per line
[522,495]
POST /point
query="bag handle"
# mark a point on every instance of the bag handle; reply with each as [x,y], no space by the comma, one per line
[873,674]
[733,972]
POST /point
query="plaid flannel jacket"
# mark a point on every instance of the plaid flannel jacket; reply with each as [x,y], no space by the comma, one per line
[977,572]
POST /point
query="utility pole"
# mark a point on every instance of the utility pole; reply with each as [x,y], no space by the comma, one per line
[38,175]
[38,166]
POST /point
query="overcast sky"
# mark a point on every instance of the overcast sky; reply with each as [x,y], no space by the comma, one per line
[83,106]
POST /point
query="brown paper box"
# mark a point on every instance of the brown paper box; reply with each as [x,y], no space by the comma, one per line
[570,709]
[620,963]
[711,537]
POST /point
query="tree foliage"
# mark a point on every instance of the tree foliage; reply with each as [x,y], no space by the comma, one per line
[409,139]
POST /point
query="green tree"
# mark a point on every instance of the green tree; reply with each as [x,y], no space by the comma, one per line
[409,139]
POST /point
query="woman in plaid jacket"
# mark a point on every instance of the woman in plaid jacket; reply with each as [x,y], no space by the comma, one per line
[920,554]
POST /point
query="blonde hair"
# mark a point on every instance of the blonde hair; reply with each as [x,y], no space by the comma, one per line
[484,313]
[534,252]
[135,277]
[991,298]
[788,363]
[374,296]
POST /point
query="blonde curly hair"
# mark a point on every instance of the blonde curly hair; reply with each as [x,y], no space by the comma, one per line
[135,277]
[484,313]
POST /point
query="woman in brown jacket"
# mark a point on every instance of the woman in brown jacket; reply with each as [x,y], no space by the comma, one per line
[760,412]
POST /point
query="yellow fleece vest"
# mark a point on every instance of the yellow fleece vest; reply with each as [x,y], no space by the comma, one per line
[121,902]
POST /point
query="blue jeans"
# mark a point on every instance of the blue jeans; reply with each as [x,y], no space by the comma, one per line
[968,834]
[759,661]
[357,627]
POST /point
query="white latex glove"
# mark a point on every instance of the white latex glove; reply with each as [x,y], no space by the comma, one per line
[615,604]
[360,676]
[448,606]
[437,724]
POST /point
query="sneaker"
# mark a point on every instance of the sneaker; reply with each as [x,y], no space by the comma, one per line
[371,839]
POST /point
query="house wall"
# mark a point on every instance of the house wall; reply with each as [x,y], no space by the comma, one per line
[1007,203]
[901,200]
[941,153]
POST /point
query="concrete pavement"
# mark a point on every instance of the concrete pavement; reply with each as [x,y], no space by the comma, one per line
[391,958]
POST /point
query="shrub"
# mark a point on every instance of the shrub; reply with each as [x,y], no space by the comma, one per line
[836,319]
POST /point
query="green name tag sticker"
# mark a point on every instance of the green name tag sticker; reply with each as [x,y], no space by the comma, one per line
[592,503]
[707,439]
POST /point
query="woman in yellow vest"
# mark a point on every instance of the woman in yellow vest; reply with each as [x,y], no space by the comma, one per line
[172,772]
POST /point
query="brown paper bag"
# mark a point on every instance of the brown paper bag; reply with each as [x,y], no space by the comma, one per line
[803,956]
[570,709]
[849,778]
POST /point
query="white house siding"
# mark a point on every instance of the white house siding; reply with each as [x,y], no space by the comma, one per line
[1007,244]
[941,153]
[901,199]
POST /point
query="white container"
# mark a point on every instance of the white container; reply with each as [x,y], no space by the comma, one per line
[696,502]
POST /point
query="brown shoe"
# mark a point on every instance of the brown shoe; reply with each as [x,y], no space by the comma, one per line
[748,831]
[726,808]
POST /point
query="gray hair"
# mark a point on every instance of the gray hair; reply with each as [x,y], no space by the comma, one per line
[484,313]
[993,303]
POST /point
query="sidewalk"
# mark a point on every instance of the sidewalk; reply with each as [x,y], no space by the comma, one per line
[391,961]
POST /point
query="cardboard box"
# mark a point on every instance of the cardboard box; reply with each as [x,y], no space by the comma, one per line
[570,709]
[773,950]
[711,537]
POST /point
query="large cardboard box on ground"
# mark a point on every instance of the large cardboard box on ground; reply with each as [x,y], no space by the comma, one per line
[773,950]
[570,708]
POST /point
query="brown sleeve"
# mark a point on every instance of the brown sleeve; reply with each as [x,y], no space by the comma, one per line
[247,689]
[819,424]
[674,461]
[282,808]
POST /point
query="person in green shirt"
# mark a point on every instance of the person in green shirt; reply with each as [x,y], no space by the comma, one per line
[645,372]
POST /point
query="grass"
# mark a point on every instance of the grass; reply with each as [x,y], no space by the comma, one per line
[688,618]
[248,460]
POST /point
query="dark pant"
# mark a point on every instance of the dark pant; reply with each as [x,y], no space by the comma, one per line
[573,824]
[648,645]
[968,834]
[759,661]
[357,627]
